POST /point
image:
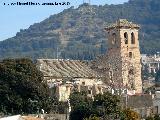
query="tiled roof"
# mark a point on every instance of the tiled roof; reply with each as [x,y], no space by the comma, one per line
[31,118]
[122,23]
[60,68]
[19,117]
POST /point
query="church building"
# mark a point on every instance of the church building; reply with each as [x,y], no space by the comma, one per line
[121,65]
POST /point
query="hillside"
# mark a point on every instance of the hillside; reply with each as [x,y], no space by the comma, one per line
[79,33]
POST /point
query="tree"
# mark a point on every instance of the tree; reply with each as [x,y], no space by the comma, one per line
[22,88]
[81,106]
[157,117]
[92,118]
[150,90]
[131,115]
[79,98]
[105,105]
[108,105]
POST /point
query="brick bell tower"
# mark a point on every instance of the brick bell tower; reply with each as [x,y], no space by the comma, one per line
[124,55]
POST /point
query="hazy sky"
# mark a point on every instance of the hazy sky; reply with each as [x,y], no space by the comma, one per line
[14,18]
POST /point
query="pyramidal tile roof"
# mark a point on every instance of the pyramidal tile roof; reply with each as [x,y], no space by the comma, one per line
[122,23]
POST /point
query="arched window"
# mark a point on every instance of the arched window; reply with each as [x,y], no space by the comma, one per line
[132,38]
[126,38]
[130,54]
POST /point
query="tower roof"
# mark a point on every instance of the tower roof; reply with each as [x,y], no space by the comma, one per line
[122,23]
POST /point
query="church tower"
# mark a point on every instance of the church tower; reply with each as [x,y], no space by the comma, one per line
[123,55]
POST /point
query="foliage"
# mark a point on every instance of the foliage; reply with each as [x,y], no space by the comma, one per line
[92,118]
[77,33]
[79,98]
[105,106]
[157,117]
[81,106]
[131,115]
[80,112]
[108,104]
[22,88]
[150,90]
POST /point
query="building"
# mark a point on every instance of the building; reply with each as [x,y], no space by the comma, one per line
[151,62]
[120,68]
[156,102]
[64,76]
[141,103]
[63,92]
[121,65]
[124,55]
[60,69]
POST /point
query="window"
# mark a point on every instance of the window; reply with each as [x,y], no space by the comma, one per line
[132,38]
[130,54]
[131,72]
[89,91]
[83,83]
[156,110]
[126,38]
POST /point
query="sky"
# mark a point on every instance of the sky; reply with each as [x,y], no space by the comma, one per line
[16,17]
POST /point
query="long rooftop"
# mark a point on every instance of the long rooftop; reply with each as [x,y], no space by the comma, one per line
[60,68]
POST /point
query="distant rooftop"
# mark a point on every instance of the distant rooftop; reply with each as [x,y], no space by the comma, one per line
[19,117]
[122,23]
